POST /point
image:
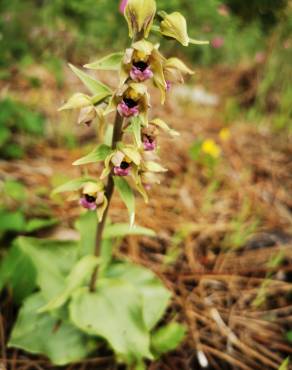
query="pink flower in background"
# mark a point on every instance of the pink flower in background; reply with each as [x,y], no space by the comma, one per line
[260,57]
[217,42]
[123,4]
[223,10]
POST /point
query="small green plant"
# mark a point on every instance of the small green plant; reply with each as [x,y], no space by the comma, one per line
[82,296]
[16,119]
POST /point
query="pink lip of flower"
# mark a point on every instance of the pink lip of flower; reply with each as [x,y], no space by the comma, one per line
[168,85]
[148,145]
[125,111]
[118,171]
[217,42]
[88,205]
[140,76]
[123,5]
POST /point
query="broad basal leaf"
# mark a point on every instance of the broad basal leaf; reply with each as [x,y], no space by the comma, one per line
[113,312]
[167,338]
[98,154]
[111,62]
[127,195]
[11,221]
[94,86]
[43,334]
[18,273]
[52,260]
[155,295]
[79,275]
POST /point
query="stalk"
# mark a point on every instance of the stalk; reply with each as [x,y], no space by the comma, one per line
[117,135]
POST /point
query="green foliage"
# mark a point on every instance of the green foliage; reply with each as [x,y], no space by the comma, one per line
[64,319]
[45,334]
[17,273]
[127,195]
[113,312]
[167,338]
[285,364]
[16,119]
[98,154]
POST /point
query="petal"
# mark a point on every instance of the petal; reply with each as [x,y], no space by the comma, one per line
[144,46]
[177,64]
[77,101]
[174,25]
[139,15]
[101,208]
[161,124]
[92,188]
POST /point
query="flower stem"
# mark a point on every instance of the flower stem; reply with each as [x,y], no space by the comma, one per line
[117,135]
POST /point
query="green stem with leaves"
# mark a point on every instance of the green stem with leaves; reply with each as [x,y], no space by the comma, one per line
[117,136]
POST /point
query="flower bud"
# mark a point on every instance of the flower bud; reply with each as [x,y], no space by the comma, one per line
[87,115]
[174,26]
[139,15]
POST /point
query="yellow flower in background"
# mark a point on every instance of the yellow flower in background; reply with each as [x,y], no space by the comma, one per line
[224,134]
[210,147]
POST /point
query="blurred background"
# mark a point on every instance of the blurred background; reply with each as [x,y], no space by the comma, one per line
[223,212]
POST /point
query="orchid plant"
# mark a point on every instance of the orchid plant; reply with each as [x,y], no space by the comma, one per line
[84,296]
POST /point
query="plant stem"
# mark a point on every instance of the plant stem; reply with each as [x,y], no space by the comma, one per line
[117,135]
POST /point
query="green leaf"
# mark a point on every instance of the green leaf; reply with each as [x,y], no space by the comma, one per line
[127,195]
[98,154]
[113,312]
[155,295]
[86,225]
[94,86]
[43,334]
[79,274]
[11,221]
[73,185]
[111,62]
[15,190]
[120,230]
[35,224]
[167,338]
[135,129]
[285,364]
[52,260]
[5,135]
[289,336]
[18,273]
